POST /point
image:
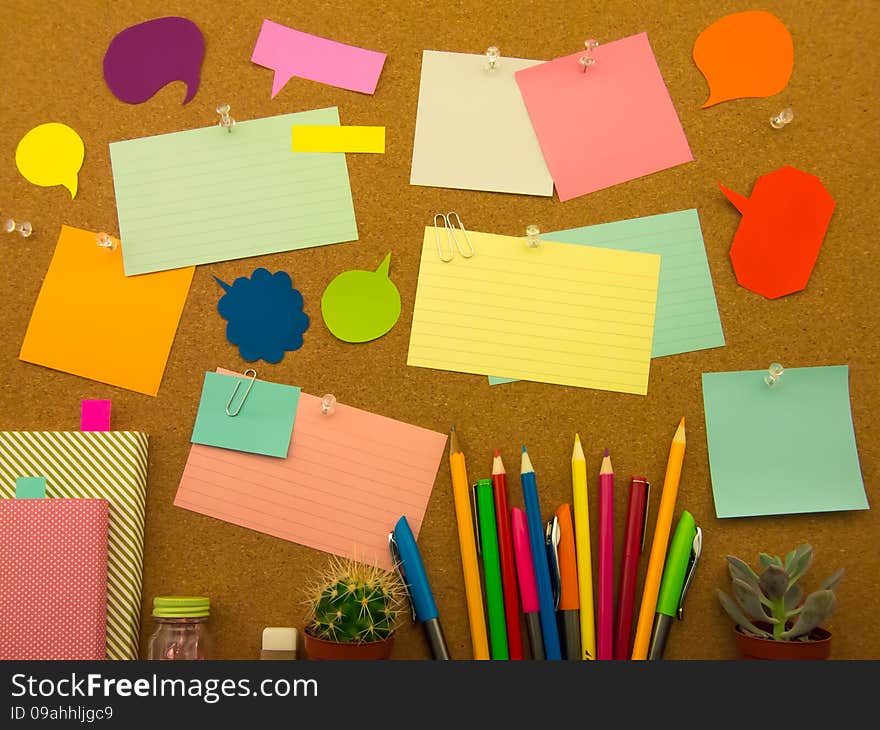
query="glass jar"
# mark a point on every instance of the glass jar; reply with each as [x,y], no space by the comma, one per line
[181,628]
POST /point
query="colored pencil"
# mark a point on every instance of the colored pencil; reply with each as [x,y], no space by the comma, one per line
[546,609]
[580,503]
[605,618]
[508,564]
[659,544]
[468,547]
[636,516]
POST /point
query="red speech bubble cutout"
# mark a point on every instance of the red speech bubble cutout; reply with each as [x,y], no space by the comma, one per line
[779,237]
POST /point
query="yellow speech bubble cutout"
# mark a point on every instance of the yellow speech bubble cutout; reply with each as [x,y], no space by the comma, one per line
[51,154]
[744,55]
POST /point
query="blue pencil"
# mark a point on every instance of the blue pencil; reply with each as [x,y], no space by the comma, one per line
[549,629]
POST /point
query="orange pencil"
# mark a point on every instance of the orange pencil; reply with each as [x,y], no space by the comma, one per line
[569,603]
[659,545]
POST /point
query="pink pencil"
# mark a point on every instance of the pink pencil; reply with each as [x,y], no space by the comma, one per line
[605,618]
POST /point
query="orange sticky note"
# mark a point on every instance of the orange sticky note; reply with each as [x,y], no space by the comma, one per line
[781,231]
[93,321]
[744,55]
[347,478]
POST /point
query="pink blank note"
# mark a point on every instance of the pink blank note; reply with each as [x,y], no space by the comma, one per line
[292,53]
[612,124]
[347,479]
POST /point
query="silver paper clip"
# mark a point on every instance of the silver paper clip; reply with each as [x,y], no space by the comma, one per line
[453,243]
[253,375]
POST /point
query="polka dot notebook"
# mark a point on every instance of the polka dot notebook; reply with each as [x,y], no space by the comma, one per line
[53,578]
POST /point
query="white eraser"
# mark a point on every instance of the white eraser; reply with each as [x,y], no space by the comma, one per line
[279,638]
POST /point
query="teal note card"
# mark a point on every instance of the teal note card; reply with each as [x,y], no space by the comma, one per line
[782,450]
[263,425]
[687,312]
[212,194]
[30,487]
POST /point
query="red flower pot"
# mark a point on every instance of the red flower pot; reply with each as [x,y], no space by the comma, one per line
[818,646]
[322,649]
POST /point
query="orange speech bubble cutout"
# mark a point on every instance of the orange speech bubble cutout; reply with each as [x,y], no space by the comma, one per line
[744,55]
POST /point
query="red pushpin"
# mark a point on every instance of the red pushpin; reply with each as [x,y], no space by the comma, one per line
[781,231]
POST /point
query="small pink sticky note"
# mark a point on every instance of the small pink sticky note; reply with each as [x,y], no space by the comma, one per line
[292,53]
[613,123]
[95,415]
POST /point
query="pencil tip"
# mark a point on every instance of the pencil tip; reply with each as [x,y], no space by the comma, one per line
[682,422]
[577,438]
[497,453]
[452,427]
[524,449]
[606,451]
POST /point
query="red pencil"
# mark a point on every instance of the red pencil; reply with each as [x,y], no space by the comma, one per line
[636,518]
[508,566]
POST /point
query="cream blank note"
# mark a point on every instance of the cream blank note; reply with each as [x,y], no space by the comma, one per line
[571,315]
[472,128]
[210,194]
[347,479]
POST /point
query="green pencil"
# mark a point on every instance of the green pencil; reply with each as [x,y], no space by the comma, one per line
[492,568]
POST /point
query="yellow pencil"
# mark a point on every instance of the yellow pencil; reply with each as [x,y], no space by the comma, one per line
[582,545]
[659,545]
[468,547]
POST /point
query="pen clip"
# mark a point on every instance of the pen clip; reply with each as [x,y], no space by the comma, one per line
[696,551]
[645,513]
[476,508]
[552,535]
[397,563]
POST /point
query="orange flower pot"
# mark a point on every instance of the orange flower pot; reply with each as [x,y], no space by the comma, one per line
[322,649]
[818,646]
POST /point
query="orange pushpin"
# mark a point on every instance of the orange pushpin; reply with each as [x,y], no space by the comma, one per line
[781,231]
[744,55]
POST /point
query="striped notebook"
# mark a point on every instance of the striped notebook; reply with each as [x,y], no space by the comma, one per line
[109,465]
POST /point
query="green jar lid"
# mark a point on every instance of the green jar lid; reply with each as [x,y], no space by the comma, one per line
[181,606]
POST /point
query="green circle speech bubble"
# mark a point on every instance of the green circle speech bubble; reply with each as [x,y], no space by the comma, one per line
[359,306]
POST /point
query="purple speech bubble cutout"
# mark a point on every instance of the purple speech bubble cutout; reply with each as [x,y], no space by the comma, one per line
[142,59]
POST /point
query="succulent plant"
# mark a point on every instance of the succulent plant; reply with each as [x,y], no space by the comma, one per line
[775,599]
[354,603]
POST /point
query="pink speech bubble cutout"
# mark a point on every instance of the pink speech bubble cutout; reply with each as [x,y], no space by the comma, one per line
[292,53]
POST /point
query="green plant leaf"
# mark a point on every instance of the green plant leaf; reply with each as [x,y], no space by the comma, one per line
[767,560]
[749,600]
[789,559]
[830,583]
[739,618]
[774,582]
[816,609]
[793,598]
[801,563]
[742,570]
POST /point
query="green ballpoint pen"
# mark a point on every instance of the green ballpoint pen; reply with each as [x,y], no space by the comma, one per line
[488,547]
[678,573]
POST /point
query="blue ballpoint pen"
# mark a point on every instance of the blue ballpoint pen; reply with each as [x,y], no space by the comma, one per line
[408,563]
[547,610]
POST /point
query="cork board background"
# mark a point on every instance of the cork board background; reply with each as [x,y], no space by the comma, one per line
[50,70]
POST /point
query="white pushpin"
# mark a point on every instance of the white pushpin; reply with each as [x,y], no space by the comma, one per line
[492,57]
[774,375]
[225,120]
[328,405]
[24,228]
[587,59]
[780,120]
[104,240]
[533,236]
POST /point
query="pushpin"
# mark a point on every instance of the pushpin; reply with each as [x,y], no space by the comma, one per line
[24,228]
[328,405]
[225,120]
[780,120]
[774,375]
[587,59]
[533,239]
[105,241]
[492,56]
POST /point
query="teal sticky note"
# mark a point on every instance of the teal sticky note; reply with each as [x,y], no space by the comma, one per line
[687,313]
[30,487]
[263,425]
[213,194]
[782,450]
